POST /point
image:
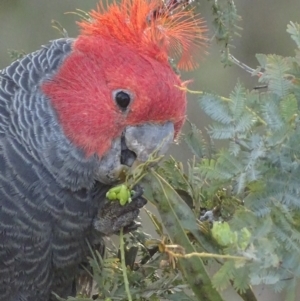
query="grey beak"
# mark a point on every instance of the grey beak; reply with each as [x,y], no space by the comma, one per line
[146,139]
[134,147]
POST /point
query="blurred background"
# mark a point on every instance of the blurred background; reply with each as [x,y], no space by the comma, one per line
[25,25]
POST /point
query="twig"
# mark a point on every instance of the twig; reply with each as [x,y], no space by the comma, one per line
[199,92]
[206,255]
[243,66]
[123,264]
[224,99]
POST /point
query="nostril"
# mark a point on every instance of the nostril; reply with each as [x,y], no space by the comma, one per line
[127,156]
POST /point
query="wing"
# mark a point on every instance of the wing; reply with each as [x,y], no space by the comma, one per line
[25,253]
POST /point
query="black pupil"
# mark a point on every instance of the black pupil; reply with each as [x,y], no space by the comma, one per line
[122,99]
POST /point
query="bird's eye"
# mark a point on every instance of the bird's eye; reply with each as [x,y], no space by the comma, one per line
[122,99]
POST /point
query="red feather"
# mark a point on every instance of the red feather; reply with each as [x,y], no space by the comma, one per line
[151,28]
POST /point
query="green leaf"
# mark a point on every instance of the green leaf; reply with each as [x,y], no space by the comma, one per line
[241,182]
[15,54]
[265,277]
[173,172]
[262,59]
[238,97]
[221,279]
[215,108]
[225,26]
[181,296]
[294,30]
[271,112]
[244,123]
[276,69]
[221,132]
[241,279]
[289,107]
[195,141]
[234,148]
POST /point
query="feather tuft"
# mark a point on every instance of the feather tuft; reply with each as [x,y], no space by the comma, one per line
[152,28]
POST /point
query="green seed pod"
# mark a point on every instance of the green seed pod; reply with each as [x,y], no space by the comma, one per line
[116,189]
[123,201]
[111,195]
[123,194]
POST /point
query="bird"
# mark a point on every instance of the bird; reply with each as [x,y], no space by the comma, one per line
[73,116]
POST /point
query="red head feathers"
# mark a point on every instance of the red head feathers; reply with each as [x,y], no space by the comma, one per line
[125,47]
[152,28]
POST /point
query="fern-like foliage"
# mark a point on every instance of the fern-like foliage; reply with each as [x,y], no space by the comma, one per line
[149,275]
[225,19]
[257,174]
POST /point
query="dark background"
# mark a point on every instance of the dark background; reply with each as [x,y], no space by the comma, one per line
[26,25]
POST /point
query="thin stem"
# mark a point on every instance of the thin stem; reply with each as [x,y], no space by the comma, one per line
[207,255]
[224,99]
[243,66]
[255,114]
[123,264]
[199,92]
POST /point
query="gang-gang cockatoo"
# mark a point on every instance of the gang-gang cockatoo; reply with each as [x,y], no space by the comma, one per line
[73,115]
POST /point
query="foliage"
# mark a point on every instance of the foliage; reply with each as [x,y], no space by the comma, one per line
[225,19]
[150,277]
[257,174]
[15,55]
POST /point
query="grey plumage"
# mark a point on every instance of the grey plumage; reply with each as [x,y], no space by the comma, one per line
[49,193]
